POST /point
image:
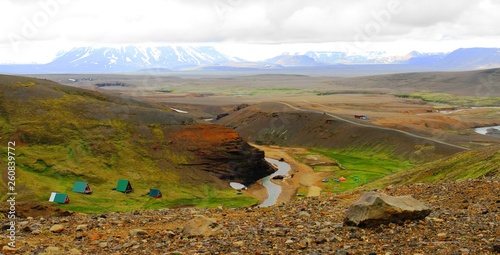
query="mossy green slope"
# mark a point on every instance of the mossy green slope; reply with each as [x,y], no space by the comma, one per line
[471,164]
[65,134]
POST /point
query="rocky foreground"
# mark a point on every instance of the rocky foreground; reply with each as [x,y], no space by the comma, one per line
[464,219]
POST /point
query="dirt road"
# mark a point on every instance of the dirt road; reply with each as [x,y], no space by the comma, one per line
[366,125]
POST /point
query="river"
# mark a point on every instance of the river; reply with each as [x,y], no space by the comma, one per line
[274,190]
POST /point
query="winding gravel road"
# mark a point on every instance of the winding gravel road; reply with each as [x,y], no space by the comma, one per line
[369,125]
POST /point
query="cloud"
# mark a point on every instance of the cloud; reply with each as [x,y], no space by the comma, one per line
[237,20]
[89,22]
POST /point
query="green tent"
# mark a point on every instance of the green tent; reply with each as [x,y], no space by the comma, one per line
[61,198]
[124,186]
[156,193]
[82,187]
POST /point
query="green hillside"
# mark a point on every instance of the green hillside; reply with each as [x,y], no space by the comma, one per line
[471,164]
[64,134]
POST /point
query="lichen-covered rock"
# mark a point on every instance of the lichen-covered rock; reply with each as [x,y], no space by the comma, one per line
[373,209]
[201,226]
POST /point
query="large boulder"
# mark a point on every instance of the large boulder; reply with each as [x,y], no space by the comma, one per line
[201,226]
[373,209]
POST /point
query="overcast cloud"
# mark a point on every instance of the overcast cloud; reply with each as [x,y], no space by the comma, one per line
[33,30]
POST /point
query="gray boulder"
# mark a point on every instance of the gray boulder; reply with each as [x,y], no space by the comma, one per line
[373,209]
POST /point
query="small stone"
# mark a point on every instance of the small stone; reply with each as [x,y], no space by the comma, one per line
[304,214]
[53,250]
[82,227]
[289,241]
[336,239]
[75,252]
[304,243]
[138,232]
[238,243]
[103,244]
[58,228]
[464,250]
[127,245]
[8,250]
[170,233]
[441,236]
[23,223]
[78,235]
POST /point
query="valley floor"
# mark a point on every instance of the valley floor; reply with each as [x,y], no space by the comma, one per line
[303,178]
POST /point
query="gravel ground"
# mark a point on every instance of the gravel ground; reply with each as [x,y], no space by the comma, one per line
[464,220]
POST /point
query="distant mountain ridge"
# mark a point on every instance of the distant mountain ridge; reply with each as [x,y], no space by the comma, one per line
[133,58]
[293,60]
[182,58]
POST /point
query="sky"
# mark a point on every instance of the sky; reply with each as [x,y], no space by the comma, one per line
[35,31]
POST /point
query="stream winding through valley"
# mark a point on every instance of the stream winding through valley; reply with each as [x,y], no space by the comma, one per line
[274,190]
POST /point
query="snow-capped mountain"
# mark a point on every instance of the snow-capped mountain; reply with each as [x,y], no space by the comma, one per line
[132,58]
[292,60]
[207,58]
[460,59]
[424,59]
[472,58]
[330,57]
[338,57]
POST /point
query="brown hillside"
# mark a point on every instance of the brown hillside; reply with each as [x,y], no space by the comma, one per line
[272,123]
[470,83]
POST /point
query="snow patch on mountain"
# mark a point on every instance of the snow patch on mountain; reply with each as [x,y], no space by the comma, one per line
[132,58]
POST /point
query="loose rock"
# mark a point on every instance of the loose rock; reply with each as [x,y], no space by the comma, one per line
[373,209]
[58,228]
[201,226]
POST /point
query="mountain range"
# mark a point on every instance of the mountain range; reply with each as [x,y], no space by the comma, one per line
[182,58]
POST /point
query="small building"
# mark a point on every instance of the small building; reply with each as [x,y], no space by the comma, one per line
[82,187]
[342,179]
[156,193]
[59,198]
[124,186]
